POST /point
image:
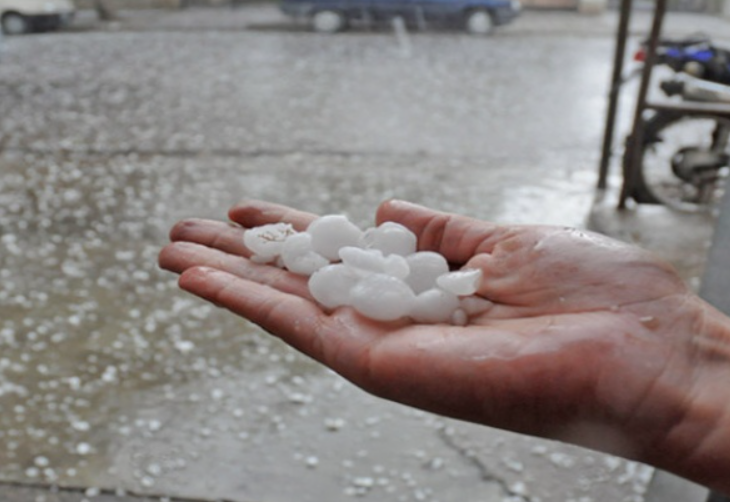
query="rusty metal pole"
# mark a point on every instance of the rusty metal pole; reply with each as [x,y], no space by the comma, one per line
[633,154]
[613,95]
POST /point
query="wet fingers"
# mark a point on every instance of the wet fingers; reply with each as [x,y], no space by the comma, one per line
[295,320]
[225,237]
[256,213]
[179,257]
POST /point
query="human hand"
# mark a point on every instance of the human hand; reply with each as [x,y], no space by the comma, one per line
[588,340]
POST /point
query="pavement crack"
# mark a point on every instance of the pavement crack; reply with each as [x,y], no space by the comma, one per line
[202,152]
[237,153]
[108,492]
[484,472]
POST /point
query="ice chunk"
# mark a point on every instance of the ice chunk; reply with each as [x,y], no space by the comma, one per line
[263,259]
[397,266]
[459,318]
[367,261]
[390,238]
[475,305]
[298,257]
[331,233]
[266,241]
[363,260]
[331,285]
[462,282]
[425,267]
[434,306]
[381,274]
[382,297]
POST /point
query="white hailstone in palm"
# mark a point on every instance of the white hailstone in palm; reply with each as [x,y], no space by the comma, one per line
[459,318]
[331,233]
[474,305]
[298,257]
[425,267]
[370,261]
[363,260]
[331,285]
[382,297]
[397,266]
[433,306]
[390,238]
[463,282]
[266,241]
[381,274]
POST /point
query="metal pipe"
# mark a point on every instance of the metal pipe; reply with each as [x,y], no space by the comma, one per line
[633,154]
[613,95]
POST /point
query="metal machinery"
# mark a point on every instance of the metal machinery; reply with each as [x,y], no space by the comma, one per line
[632,156]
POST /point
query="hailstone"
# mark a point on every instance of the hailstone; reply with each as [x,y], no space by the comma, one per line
[331,233]
[459,318]
[298,257]
[331,285]
[382,297]
[266,242]
[425,267]
[390,238]
[474,305]
[462,282]
[378,272]
[434,306]
[367,261]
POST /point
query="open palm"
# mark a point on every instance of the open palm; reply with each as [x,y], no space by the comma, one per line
[586,338]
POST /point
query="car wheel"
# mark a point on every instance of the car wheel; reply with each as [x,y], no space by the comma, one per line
[479,22]
[15,24]
[328,21]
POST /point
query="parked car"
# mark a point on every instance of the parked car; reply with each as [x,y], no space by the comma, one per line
[475,16]
[24,16]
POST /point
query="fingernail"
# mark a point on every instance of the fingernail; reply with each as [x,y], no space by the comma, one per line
[181,228]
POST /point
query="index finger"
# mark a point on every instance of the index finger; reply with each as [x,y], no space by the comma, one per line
[341,340]
[296,320]
[457,238]
[254,213]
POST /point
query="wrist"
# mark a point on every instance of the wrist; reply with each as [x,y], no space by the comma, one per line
[697,445]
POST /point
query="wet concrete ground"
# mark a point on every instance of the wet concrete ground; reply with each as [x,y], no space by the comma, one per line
[112,378]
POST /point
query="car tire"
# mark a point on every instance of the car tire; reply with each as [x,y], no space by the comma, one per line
[479,22]
[328,21]
[15,24]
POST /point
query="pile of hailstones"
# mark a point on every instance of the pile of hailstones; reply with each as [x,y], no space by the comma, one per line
[378,271]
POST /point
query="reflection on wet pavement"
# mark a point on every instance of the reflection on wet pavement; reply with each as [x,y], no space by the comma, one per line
[109,376]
